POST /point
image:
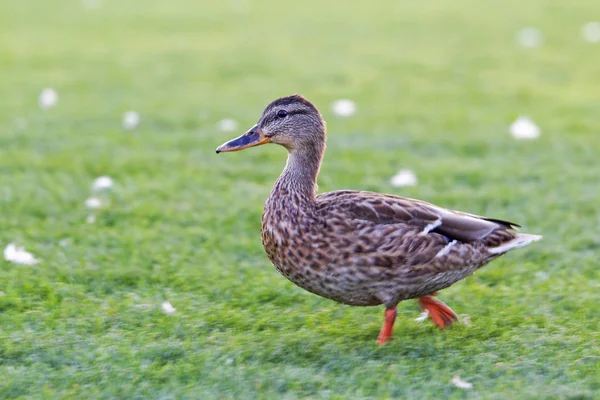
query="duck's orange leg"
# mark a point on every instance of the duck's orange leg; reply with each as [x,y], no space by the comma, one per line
[440,313]
[386,331]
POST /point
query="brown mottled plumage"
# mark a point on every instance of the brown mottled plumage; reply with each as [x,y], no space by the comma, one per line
[363,248]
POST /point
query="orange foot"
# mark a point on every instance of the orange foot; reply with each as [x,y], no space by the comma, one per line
[440,313]
[386,331]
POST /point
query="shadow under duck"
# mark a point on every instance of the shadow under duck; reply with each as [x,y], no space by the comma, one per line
[363,248]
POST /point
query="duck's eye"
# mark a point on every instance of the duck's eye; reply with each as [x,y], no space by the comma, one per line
[282,113]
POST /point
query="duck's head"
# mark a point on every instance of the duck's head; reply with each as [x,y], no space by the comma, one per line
[292,122]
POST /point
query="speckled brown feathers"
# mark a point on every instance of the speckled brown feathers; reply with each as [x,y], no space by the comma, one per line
[363,248]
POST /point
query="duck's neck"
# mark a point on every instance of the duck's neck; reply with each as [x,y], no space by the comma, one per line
[299,177]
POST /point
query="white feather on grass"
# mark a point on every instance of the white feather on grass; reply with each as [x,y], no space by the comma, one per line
[168,308]
[18,255]
[459,383]
[424,315]
[404,177]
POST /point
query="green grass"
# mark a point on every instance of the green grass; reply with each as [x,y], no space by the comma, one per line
[436,85]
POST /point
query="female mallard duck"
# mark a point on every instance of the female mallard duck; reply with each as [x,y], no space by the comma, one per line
[363,248]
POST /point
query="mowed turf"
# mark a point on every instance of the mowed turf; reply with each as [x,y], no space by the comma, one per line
[436,85]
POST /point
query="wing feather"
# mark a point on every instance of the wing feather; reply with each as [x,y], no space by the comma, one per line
[388,209]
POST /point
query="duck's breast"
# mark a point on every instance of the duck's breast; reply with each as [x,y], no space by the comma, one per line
[300,250]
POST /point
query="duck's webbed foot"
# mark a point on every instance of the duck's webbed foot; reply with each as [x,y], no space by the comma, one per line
[440,314]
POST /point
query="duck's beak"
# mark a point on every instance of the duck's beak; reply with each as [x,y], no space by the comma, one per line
[254,137]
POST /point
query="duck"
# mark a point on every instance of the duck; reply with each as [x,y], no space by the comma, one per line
[363,248]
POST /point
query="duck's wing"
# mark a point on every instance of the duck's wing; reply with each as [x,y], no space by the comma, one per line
[383,209]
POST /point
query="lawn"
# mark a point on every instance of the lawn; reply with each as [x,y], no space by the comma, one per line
[436,86]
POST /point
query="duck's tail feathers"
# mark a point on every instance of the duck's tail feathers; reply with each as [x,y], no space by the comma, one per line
[520,240]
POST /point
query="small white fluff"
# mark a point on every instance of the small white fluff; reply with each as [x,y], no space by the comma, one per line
[93,203]
[227,125]
[424,315]
[18,255]
[131,119]
[404,177]
[591,32]
[459,383]
[529,38]
[91,219]
[168,308]
[102,183]
[343,107]
[48,98]
[524,129]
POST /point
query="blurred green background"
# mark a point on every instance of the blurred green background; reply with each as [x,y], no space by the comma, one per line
[436,85]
